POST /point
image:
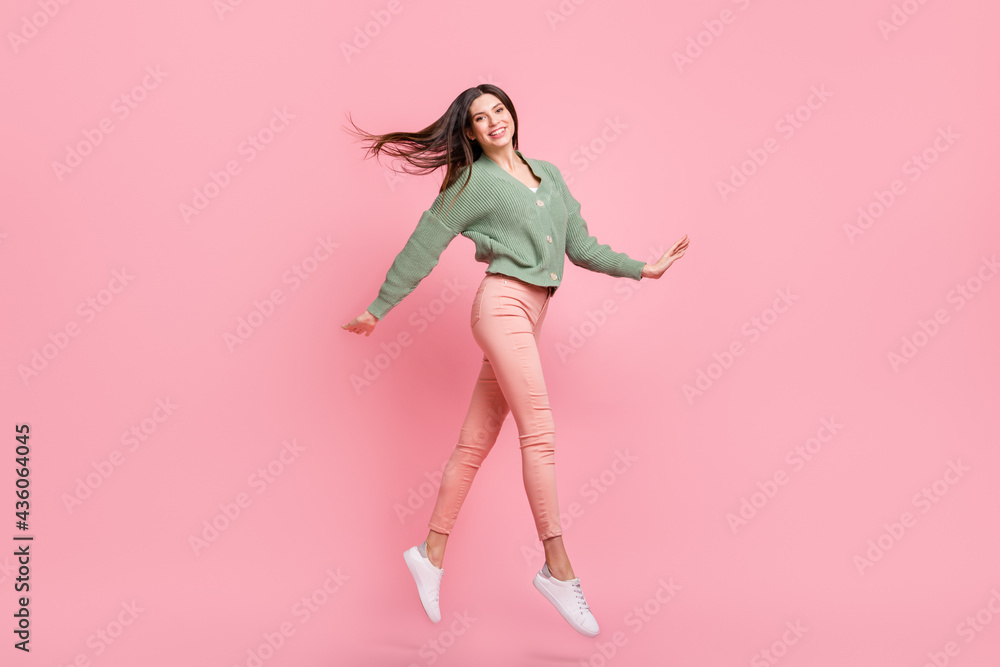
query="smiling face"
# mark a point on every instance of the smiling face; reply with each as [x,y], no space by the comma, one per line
[492,124]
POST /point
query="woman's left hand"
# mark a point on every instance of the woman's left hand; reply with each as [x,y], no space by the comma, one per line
[659,268]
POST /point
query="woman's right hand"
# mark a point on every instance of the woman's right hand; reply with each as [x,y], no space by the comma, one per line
[676,251]
[363,323]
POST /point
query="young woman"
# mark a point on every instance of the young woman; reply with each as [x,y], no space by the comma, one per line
[524,222]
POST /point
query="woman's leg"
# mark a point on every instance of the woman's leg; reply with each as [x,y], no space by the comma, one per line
[483,420]
[486,414]
[555,550]
[558,559]
[507,316]
[507,331]
[482,428]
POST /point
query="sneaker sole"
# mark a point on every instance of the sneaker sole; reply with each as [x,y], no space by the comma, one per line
[537,581]
[411,565]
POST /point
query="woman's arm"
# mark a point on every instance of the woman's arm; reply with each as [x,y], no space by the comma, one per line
[585,250]
[448,216]
[413,263]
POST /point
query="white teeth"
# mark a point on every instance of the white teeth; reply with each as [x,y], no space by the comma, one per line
[497,132]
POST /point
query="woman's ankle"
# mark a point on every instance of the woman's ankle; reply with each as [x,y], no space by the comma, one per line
[434,555]
[561,570]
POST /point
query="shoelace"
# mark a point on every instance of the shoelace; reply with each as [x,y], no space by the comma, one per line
[581,600]
[437,591]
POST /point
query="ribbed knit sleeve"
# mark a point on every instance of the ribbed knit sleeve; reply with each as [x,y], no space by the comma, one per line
[422,250]
[585,250]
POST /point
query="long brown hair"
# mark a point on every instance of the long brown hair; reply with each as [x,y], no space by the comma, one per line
[442,143]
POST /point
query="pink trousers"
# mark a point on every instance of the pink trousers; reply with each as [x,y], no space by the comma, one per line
[506,321]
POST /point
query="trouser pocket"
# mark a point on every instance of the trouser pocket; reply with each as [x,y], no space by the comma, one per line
[478,302]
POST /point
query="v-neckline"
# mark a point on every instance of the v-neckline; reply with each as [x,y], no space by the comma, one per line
[514,178]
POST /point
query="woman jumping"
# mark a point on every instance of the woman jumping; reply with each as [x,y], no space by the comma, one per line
[524,222]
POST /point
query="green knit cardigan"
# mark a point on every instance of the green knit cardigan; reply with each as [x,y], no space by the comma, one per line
[517,232]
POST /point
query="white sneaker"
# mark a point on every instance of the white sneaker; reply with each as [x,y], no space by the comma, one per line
[568,599]
[428,578]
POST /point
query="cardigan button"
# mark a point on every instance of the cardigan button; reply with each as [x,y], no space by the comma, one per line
[549,239]
[553,275]
[540,202]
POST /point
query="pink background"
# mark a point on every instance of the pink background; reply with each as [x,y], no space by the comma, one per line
[644,143]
